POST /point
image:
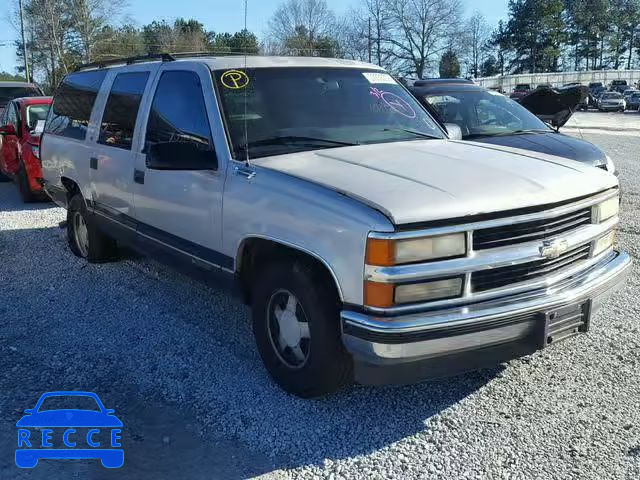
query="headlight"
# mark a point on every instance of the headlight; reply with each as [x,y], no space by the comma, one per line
[385,295]
[606,210]
[423,292]
[383,252]
[604,243]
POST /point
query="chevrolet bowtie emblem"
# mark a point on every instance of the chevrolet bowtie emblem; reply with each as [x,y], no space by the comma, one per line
[553,248]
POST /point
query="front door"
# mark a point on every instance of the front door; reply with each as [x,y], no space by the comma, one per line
[178,209]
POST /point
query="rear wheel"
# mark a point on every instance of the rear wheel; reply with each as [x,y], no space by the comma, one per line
[84,238]
[297,329]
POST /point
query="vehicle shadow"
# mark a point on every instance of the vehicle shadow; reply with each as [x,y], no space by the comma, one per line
[176,360]
[10,200]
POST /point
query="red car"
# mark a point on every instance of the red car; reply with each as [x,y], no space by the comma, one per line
[21,125]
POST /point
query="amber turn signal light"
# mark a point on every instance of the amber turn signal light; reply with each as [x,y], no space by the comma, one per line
[380,252]
[378,295]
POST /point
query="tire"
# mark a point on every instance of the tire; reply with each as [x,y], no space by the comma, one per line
[327,366]
[91,244]
[22,180]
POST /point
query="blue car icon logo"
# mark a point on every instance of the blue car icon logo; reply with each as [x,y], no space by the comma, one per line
[90,432]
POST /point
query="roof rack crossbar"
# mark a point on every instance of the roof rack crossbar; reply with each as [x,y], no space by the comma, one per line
[154,57]
[165,57]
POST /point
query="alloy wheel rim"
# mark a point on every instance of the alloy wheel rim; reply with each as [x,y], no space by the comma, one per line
[288,327]
[81,234]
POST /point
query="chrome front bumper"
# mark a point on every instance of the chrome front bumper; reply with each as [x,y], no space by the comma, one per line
[377,342]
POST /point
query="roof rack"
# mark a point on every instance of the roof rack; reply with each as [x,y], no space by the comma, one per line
[154,57]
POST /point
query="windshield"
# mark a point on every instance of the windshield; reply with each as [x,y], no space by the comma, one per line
[9,93]
[286,110]
[71,402]
[35,113]
[611,96]
[484,113]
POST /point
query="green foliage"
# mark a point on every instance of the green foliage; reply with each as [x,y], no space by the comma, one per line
[549,35]
[489,67]
[303,42]
[8,77]
[449,65]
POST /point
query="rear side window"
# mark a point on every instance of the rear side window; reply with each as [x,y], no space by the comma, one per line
[121,112]
[73,103]
[178,112]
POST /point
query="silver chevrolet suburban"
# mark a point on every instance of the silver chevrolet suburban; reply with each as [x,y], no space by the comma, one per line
[371,247]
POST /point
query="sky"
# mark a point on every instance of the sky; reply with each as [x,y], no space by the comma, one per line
[216,15]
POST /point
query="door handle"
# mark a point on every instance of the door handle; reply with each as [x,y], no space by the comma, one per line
[93,163]
[138,176]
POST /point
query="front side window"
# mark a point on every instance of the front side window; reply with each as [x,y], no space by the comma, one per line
[178,113]
[73,103]
[121,112]
[274,111]
[481,113]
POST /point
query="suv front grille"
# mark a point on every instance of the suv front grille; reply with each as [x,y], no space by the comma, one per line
[530,231]
[484,280]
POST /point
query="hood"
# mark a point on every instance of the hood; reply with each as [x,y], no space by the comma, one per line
[555,105]
[552,143]
[426,180]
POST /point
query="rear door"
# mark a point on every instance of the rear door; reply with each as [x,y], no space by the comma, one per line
[180,210]
[113,159]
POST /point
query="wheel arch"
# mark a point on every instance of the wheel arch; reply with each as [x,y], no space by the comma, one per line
[71,187]
[255,249]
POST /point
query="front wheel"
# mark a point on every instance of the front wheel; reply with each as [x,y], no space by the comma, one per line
[24,188]
[84,238]
[297,329]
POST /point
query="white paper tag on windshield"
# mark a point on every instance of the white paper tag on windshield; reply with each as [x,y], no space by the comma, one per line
[375,77]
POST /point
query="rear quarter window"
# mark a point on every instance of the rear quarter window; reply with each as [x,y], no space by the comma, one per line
[73,103]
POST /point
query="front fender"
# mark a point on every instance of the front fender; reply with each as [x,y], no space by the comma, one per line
[329,226]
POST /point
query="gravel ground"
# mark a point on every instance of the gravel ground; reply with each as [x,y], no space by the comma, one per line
[176,361]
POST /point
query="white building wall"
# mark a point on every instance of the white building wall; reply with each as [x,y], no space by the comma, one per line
[508,82]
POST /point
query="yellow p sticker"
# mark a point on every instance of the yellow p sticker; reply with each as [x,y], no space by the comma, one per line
[234,79]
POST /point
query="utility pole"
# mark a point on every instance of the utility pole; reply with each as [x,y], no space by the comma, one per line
[24,44]
[369,40]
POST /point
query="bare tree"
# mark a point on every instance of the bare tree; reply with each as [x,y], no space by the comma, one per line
[90,17]
[478,33]
[420,31]
[311,19]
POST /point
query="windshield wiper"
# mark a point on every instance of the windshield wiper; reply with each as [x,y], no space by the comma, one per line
[521,132]
[505,134]
[413,132]
[286,139]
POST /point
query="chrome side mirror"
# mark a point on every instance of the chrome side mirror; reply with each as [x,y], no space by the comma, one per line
[454,131]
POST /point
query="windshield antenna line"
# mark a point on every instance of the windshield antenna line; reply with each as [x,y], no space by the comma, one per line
[246,126]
